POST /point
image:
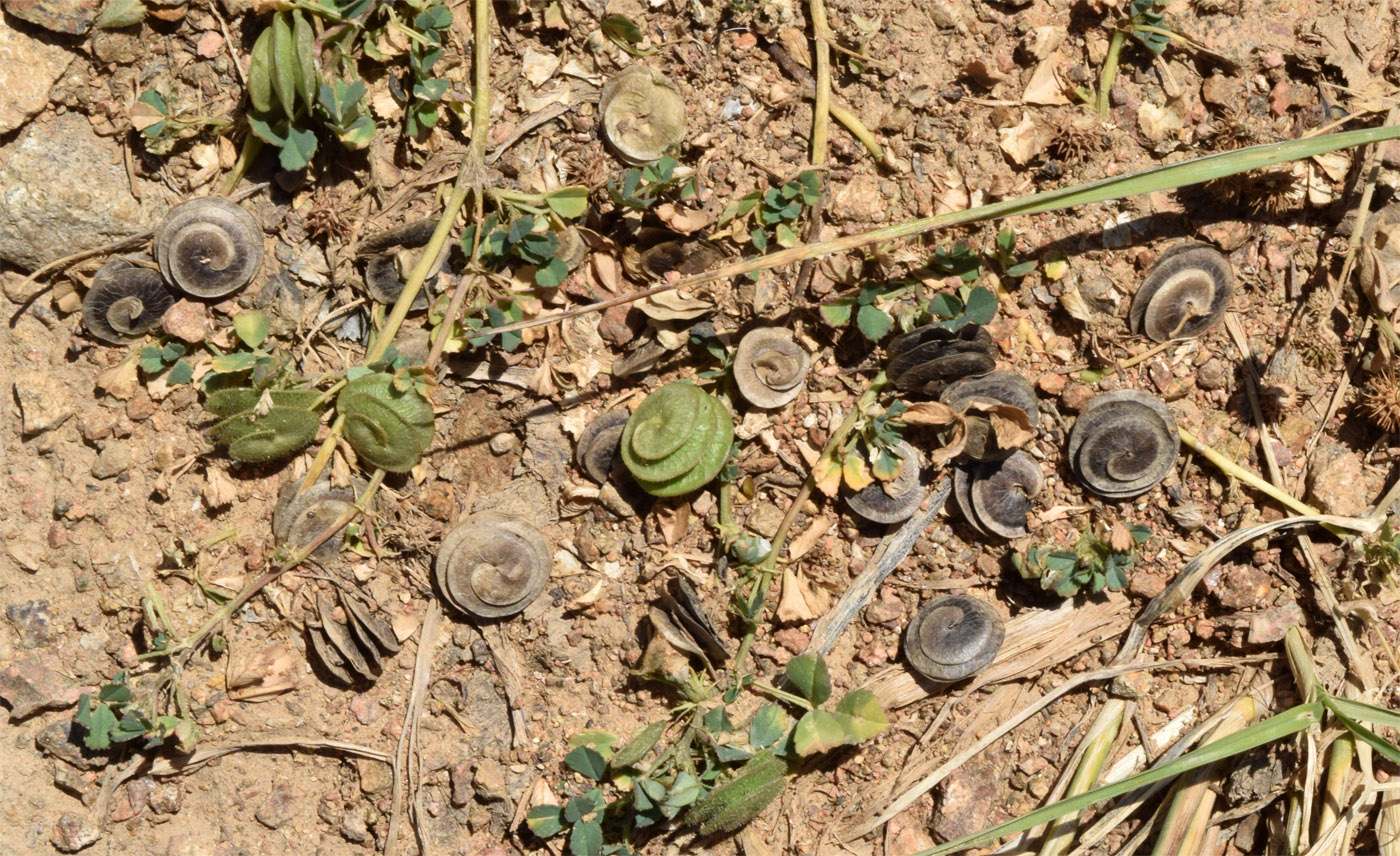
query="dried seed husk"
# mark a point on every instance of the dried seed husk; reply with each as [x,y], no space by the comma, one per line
[599,443]
[492,565]
[124,302]
[1123,443]
[209,247]
[769,367]
[1185,294]
[953,637]
[643,116]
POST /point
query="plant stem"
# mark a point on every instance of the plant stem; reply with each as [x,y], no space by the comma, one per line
[252,147]
[821,104]
[1110,71]
[1234,470]
[764,578]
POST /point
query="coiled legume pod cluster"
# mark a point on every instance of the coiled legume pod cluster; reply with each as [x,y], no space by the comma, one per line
[388,422]
[677,440]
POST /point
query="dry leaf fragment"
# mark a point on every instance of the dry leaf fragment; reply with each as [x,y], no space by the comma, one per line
[801,601]
[1119,538]
[1011,426]
[674,306]
[684,221]
[405,624]
[538,66]
[262,675]
[1045,85]
[826,474]
[934,414]
[219,490]
[120,380]
[1027,140]
[672,520]
[1159,123]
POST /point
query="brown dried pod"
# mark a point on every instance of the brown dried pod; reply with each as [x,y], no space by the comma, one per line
[992,388]
[209,247]
[995,496]
[384,279]
[598,444]
[492,565]
[683,607]
[769,367]
[300,517]
[1123,443]
[1185,294]
[1378,266]
[331,659]
[953,637]
[896,500]
[643,114]
[124,302]
[683,257]
[364,664]
[412,234]
[927,358]
[372,631]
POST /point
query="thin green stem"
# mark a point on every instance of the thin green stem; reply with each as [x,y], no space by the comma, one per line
[252,147]
[766,568]
[782,695]
[1110,71]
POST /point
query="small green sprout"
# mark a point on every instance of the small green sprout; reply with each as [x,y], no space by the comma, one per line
[1094,563]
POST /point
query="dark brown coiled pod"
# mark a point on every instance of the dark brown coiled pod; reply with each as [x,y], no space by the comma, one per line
[1123,443]
[124,302]
[896,500]
[953,637]
[993,388]
[209,247]
[928,358]
[1185,294]
[995,496]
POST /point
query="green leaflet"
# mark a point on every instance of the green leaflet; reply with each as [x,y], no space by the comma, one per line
[260,73]
[284,64]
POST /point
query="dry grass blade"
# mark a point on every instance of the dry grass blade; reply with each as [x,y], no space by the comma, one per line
[1188,818]
[202,756]
[1096,745]
[1169,177]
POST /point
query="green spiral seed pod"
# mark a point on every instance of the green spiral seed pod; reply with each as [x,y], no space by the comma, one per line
[677,440]
[387,427]
[279,432]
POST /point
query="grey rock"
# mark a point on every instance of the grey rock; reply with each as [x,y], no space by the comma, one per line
[73,17]
[278,808]
[44,401]
[64,741]
[28,69]
[167,798]
[113,460]
[33,621]
[63,189]
[75,832]
[353,827]
[460,775]
[30,686]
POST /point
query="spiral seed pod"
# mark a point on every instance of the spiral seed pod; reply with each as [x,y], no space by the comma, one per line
[492,565]
[255,438]
[995,496]
[769,367]
[598,445]
[928,358]
[209,247]
[677,440]
[643,114]
[1185,294]
[896,500]
[1124,442]
[993,388]
[124,302]
[953,637]
[387,427]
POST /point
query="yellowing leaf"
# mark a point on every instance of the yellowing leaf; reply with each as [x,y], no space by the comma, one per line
[856,472]
[817,731]
[826,474]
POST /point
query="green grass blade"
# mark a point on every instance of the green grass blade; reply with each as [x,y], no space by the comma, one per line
[1345,707]
[1343,711]
[1289,722]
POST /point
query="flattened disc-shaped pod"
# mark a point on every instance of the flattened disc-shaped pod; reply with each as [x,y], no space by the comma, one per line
[953,637]
[1185,294]
[598,445]
[998,388]
[643,114]
[492,565]
[299,518]
[124,302]
[1123,443]
[384,284]
[209,247]
[995,497]
[769,367]
[683,257]
[903,496]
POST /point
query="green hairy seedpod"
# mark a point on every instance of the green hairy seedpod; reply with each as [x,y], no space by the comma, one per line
[677,440]
[260,425]
[742,798]
[388,421]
